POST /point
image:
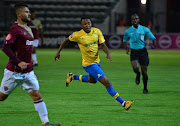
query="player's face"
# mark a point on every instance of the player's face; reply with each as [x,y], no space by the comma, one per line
[24,15]
[86,25]
[135,20]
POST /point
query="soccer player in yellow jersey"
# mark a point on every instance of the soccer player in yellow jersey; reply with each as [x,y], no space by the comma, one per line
[88,39]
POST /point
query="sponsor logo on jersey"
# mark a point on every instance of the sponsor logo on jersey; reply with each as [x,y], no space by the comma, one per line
[90,44]
[95,35]
[29,42]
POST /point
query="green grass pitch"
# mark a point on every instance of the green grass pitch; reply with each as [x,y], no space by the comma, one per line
[84,104]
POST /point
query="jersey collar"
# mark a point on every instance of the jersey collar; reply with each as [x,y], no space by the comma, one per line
[89,32]
[134,27]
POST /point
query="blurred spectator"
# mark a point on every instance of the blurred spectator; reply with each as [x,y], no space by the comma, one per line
[150,24]
[121,21]
[37,23]
[35,42]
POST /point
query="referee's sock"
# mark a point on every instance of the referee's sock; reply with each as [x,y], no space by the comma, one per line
[83,78]
[115,95]
[145,79]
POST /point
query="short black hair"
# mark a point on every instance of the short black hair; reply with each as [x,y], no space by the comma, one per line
[20,5]
[135,15]
[85,18]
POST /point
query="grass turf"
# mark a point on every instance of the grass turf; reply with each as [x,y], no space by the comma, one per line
[83,104]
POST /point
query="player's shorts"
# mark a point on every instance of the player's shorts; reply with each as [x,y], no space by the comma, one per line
[95,71]
[141,55]
[11,80]
[35,42]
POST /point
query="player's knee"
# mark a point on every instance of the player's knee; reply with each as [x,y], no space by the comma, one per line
[3,97]
[35,95]
[93,81]
[136,69]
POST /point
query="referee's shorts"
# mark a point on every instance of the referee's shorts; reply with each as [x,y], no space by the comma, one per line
[141,55]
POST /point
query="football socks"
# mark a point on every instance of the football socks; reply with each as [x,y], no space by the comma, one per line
[83,78]
[34,57]
[115,95]
[145,79]
[40,107]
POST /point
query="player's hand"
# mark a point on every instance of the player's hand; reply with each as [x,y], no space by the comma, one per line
[57,57]
[23,65]
[109,57]
[127,51]
[153,46]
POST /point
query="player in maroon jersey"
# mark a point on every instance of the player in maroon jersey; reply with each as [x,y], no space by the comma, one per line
[19,70]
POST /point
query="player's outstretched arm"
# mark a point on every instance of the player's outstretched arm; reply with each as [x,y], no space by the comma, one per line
[57,57]
[106,50]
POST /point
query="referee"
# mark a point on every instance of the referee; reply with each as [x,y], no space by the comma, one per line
[136,35]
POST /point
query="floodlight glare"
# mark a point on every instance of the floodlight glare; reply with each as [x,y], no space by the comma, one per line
[143,1]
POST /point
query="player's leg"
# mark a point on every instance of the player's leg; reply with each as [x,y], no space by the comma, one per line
[111,90]
[96,72]
[34,56]
[135,64]
[71,77]
[31,85]
[8,84]
[3,96]
[114,93]
[39,105]
[144,62]
[83,78]
[145,78]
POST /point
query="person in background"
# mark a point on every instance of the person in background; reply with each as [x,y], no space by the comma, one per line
[35,42]
[37,23]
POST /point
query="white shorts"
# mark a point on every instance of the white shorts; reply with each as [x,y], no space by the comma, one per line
[35,42]
[11,80]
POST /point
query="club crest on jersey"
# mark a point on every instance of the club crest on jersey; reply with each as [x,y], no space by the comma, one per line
[8,37]
[29,42]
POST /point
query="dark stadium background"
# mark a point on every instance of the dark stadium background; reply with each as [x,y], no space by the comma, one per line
[62,17]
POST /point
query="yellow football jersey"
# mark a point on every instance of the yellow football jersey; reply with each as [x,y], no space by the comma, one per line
[88,44]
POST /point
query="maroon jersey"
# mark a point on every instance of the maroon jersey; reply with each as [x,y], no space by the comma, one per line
[34,30]
[18,47]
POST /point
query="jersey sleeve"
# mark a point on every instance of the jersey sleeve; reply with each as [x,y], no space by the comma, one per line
[149,34]
[9,44]
[73,37]
[126,37]
[100,37]
[11,37]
